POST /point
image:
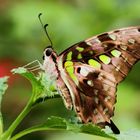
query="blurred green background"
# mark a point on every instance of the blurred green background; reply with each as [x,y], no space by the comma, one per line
[23,40]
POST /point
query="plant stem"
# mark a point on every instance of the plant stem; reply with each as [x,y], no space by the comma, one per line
[1,124]
[34,129]
[7,134]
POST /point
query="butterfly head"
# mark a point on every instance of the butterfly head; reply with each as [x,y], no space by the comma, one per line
[49,53]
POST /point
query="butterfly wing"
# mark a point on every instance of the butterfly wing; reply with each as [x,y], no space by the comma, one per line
[114,52]
[92,69]
[97,90]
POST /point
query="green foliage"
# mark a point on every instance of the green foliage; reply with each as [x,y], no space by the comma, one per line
[3,87]
[37,88]
[40,92]
[60,124]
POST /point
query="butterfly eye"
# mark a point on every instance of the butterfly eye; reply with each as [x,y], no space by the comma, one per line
[48,51]
[78,69]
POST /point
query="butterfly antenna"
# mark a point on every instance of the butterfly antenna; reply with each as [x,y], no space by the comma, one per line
[45,28]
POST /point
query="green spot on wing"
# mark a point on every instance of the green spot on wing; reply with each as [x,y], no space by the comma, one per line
[70,69]
[116,53]
[74,78]
[68,63]
[79,56]
[69,55]
[94,63]
[80,49]
[105,59]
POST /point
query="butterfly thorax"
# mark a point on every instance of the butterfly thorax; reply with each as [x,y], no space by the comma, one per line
[49,64]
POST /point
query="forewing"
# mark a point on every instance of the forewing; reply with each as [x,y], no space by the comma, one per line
[114,52]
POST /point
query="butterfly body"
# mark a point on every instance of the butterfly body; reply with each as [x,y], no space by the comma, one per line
[87,73]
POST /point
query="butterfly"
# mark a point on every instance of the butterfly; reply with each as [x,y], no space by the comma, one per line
[88,72]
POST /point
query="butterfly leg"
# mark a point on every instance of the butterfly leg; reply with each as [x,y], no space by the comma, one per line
[33,66]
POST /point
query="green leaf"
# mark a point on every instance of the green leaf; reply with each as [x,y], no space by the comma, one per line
[52,123]
[58,123]
[19,70]
[36,85]
[94,130]
[3,87]
[55,122]
[42,87]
